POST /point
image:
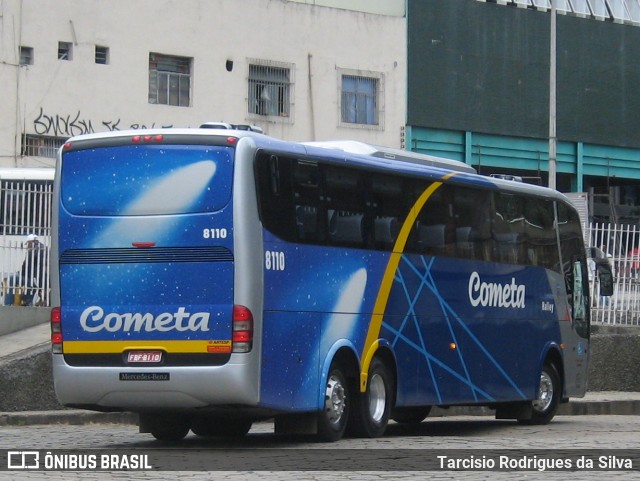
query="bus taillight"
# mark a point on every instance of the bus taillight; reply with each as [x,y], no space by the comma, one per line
[242,329]
[56,331]
[136,139]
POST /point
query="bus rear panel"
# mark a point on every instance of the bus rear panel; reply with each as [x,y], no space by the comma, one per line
[145,247]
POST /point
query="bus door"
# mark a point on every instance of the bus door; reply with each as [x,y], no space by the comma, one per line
[576,332]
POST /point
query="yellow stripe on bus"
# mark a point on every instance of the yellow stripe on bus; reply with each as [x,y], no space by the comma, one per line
[117,347]
[380,306]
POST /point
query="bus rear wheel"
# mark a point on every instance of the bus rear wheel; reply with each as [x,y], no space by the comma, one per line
[373,407]
[332,419]
[169,428]
[544,407]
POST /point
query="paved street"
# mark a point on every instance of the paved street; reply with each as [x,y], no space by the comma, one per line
[477,436]
[614,425]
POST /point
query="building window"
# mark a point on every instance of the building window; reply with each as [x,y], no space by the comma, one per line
[65,51]
[41,145]
[102,55]
[361,99]
[270,89]
[169,80]
[26,55]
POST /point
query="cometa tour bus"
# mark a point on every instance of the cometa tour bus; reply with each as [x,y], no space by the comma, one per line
[208,278]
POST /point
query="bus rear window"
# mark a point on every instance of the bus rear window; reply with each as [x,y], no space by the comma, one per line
[146,180]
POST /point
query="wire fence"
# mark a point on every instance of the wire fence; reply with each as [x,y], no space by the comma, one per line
[28,285]
[619,244]
[25,229]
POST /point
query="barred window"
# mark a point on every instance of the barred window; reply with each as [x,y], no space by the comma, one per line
[25,206]
[65,51]
[102,55]
[41,145]
[359,102]
[270,90]
[169,80]
[26,55]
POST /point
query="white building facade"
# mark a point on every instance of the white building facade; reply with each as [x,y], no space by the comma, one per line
[300,70]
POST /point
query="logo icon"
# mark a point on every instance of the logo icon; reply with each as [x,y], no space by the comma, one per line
[23,460]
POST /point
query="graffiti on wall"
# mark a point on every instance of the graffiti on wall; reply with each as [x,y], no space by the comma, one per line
[69,125]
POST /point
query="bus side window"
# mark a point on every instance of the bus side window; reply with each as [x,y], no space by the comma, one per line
[386,231]
[307,202]
[344,195]
[436,229]
[387,209]
[472,208]
[306,222]
[275,196]
[346,228]
[507,228]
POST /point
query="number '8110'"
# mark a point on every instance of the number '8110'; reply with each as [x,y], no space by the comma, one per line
[214,233]
[274,261]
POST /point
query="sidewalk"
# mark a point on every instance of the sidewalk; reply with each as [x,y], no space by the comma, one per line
[24,339]
[594,403]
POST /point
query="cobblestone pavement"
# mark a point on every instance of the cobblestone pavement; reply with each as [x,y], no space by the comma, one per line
[476,436]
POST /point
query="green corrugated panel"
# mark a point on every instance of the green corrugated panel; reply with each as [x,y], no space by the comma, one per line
[527,154]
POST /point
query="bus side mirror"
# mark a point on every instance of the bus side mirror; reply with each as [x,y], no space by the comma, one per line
[605,275]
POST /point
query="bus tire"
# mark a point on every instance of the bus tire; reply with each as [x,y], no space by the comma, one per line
[411,415]
[332,419]
[171,428]
[372,408]
[544,407]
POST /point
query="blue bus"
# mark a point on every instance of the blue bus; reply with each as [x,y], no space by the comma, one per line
[210,278]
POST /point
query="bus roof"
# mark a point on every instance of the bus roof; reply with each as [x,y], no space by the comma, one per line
[363,153]
[355,147]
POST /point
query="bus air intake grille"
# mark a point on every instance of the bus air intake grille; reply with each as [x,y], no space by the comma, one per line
[148,255]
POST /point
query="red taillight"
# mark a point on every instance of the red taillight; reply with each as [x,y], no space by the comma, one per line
[242,329]
[143,245]
[147,138]
[56,331]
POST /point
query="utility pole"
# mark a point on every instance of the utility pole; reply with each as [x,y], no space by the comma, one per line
[552,99]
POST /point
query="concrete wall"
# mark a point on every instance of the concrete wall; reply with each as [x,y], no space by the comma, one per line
[614,367]
[13,319]
[615,359]
[60,98]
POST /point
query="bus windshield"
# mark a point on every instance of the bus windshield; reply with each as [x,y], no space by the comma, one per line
[147,180]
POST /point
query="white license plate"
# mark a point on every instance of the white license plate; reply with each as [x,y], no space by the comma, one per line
[144,357]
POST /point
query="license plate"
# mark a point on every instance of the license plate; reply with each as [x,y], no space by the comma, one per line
[145,357]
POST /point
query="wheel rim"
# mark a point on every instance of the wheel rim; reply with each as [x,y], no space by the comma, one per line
[545,393]
[335,400]
[377,398]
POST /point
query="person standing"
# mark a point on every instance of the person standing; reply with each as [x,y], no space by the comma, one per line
[34,271]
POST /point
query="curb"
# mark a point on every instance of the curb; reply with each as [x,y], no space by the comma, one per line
[71,417]
[626,407]
[576,407]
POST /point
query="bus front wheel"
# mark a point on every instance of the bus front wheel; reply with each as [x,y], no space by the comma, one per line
[544,407]
[332,419]
[373,407]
